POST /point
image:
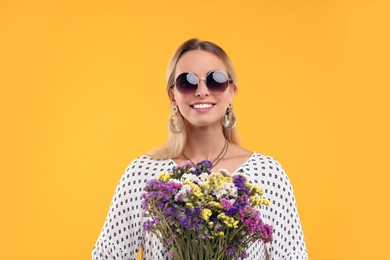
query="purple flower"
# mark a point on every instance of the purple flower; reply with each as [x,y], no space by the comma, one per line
[231,212]
[266,233]
[180,196]
[252,222]
[230,250]
[169,211]
[158,189]
[185,164]
[239,181]
[156,185]
[228,206]
[148,225]
[242,200]
[190,218]
[182,168]
[203,166]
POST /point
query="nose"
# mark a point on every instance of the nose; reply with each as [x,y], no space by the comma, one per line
[202,90]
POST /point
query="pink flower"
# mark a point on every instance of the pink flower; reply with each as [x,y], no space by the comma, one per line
[226,204]
[175,185]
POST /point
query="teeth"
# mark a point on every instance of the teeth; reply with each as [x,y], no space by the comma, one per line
[203,105]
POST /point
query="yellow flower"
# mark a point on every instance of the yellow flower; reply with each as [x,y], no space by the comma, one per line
[229,221]
[257,200]
[221,216]
[196,190]
[258,190]
[206,185]
[265,201]
[217,181]
[248,185]
[206,213]
[215,204]
[209,198]
[189,205]
[164,176]
[216,234]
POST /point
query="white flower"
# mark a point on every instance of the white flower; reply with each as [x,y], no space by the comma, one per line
[220,193]
[190,177]
[231,189]
[228,190]
[204,176]
[182,195]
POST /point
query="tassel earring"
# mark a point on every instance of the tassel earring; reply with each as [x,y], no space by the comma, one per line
[176,122]
[229,119]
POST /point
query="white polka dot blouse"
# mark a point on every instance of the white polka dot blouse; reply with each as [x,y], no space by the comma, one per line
[122,234]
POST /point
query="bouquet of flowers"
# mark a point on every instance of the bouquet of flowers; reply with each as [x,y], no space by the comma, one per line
[198,214]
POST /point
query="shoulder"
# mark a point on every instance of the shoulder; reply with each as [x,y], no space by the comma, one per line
[270,175]
[267,169]
[145,161]
[266,160]
[144,165]
[142,169]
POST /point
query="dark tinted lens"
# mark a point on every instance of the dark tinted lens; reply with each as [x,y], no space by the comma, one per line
[187,83]
[217,82]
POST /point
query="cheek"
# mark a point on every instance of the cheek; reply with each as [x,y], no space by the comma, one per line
[182,102]
[228,97]
[180,98]
[232,91]
[177,97]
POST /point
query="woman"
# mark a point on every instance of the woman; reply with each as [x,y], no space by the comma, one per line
[201,85]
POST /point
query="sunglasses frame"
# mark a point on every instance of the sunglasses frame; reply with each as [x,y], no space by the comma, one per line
[229,81]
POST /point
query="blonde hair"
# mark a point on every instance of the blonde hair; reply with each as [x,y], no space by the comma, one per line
[176,141]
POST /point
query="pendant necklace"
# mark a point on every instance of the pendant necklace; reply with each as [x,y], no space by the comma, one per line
[220,156]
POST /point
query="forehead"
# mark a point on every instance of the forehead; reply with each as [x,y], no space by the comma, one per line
[199,62]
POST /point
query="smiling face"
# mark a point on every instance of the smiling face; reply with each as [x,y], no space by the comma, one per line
[202,107]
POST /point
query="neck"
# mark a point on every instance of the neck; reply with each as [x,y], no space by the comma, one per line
[204,143]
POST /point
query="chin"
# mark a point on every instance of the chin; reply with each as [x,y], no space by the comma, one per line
[205,123]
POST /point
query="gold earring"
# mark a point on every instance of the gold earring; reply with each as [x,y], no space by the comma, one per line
[176,122]
[229,119]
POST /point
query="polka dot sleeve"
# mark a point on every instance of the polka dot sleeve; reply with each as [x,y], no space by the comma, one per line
[121,235]
[282,214]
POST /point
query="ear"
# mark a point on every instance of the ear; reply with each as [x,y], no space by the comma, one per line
[171,96]
[235,89]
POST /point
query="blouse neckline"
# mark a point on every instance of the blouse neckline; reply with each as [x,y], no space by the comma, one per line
[235,172]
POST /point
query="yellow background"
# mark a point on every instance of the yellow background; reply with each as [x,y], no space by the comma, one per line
[82,94]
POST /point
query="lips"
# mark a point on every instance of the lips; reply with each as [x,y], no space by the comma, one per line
[202,105]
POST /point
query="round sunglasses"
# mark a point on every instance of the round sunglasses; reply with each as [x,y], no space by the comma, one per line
[216,81]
